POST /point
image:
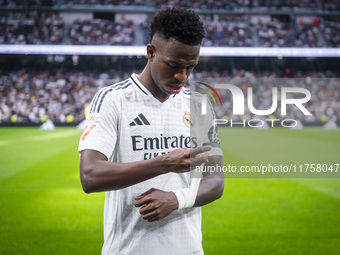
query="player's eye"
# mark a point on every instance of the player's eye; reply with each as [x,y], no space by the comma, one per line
[172,65]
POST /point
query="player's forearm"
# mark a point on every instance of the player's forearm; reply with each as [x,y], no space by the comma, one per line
[211,186]
[97,174]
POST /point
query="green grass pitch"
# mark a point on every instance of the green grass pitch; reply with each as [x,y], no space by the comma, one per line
[44,211]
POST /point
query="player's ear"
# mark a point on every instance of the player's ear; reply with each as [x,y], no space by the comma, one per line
[151,51]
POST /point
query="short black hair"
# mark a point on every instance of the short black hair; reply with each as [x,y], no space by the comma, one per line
[181,24]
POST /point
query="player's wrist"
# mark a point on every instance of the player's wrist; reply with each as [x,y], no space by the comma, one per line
[160,163]
[165,164]
[174,201]
[184,199]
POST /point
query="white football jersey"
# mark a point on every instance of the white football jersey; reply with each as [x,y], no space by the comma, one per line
[126,123]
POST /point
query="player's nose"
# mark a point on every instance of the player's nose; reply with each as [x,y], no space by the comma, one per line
[181,75]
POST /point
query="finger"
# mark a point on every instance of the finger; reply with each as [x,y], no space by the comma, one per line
[151,216]
[142,201]
[199,150]
[147,192]
[139,197]
[198,160]
[144,194]
[146,209]
[154,219]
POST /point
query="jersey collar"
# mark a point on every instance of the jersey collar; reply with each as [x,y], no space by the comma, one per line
[141,86]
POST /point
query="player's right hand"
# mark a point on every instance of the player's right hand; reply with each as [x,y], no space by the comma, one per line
[184,159]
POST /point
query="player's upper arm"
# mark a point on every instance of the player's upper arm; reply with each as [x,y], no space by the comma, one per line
[89,161]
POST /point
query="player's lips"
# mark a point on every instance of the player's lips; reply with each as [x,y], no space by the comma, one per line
[175,89]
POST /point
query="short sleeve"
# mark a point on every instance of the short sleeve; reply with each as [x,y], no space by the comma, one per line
[101,126]
[211,133]
[204,128]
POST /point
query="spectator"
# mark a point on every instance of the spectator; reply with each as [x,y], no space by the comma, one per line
[33,95]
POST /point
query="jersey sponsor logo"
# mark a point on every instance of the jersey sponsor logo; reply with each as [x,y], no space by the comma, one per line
[86,131]
[188,121]
[162,142]
[140,120]
[92,117]
[147,144]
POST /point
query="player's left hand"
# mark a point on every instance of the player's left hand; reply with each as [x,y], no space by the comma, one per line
[156,204]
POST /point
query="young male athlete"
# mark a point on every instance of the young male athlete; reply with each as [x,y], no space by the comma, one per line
[139,146]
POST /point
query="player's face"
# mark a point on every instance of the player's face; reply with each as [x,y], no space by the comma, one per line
[171,64]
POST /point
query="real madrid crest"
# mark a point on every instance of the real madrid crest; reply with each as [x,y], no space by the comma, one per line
[187,119]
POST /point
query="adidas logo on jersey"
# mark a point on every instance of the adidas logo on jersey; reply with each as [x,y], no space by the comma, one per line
[139,121]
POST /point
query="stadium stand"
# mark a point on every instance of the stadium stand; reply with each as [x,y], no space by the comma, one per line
[101,32]
[33,95]
[232,32]
[276,33]
[331,5]
[331,28]
[50,28]
[205,4]
[35,90]
[294,23]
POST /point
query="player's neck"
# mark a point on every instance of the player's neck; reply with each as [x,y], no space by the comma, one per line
[149,84]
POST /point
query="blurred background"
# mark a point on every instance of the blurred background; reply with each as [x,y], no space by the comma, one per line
[55,55]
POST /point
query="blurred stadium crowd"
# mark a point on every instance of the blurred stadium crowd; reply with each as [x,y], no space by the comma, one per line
[19,25]
[206,4]
[49,28]
[33,28]
[61,93]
